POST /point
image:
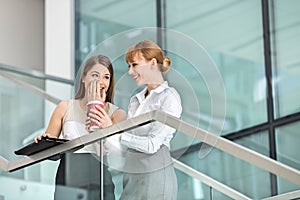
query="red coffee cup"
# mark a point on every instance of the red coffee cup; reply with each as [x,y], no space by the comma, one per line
[92,105]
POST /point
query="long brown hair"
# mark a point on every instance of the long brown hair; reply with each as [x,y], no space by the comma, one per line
[93,60]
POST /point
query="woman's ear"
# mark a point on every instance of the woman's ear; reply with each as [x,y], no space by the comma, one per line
[153,62]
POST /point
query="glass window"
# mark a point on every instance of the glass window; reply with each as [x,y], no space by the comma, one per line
[285,56]
[99,20]
[287,146]
[231,33]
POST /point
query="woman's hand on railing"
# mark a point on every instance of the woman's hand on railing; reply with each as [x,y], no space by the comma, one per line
[44,135]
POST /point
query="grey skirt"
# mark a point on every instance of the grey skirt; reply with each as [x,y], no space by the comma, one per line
[149,177]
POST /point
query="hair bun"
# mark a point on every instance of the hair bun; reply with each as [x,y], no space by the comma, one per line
[166,64]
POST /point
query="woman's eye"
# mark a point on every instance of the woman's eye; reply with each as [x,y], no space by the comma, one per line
[133,65]
[107,77]
[95,75]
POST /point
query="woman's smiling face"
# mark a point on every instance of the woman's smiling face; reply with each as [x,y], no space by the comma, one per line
[100,73]
[140,70]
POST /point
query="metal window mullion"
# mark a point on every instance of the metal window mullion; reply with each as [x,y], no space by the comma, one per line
[270,103]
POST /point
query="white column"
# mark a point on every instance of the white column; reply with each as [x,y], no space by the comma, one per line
[59,47]
[59,58]
[59,44]
[59,39]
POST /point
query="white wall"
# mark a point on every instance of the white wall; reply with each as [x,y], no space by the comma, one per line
[22,33]
[59,38]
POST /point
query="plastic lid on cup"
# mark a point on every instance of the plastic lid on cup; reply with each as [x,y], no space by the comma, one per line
[95,102]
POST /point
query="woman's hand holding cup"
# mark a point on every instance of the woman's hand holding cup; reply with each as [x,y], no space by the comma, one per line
[97,117]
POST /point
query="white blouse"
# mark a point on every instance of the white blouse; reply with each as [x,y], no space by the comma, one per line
[150,137]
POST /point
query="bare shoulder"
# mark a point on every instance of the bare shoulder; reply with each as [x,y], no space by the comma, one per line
[119,115]
[61,108]
[120,112]
[63,104]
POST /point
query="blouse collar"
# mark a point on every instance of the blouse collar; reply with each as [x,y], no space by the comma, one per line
[141,95]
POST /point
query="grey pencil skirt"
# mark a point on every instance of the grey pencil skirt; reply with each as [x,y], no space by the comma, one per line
[149,177]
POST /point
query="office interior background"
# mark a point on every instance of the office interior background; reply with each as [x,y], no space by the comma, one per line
[254,44]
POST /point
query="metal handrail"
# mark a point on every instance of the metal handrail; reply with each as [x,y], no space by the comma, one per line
[30,87]
[34,73]
[289,195]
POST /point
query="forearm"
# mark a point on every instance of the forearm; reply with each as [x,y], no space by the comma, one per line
[148,144]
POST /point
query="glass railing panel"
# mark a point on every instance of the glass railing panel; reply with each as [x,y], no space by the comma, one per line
[233,172]
[24,110]
[287,144]
[191,188]
[24,114]
[85,172]
[215,195]
[229,170]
